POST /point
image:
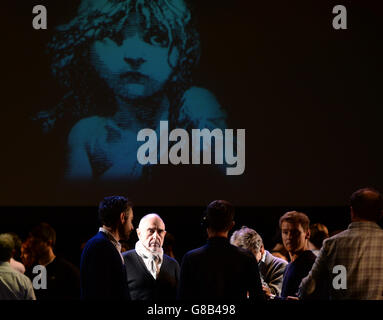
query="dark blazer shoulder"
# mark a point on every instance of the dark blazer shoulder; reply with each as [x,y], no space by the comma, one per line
[170,264]
[99,238]
[241,254]
[100,245]
[169,260]
[195,252]
[130,255]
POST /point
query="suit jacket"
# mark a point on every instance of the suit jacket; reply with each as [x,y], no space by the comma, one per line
[102,273]
[219,271]
[142,285]
[356,254]
[272,270]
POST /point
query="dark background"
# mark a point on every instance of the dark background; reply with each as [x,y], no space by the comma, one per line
[308,96]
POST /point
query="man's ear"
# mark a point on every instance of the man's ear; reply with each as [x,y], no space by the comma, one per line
[122,217]
[138,231]
[308,234]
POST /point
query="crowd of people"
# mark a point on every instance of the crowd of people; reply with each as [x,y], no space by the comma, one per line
[308,264]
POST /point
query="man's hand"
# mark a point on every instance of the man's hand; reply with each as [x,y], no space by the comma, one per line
[267,292]
[292,298]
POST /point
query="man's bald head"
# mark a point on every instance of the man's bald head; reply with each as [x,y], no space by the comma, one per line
[367,204]
[151,231]
[150,217]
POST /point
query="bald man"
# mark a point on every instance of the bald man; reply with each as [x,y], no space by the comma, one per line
[151,274]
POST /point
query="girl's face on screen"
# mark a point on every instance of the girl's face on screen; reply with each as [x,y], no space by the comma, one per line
[136,63]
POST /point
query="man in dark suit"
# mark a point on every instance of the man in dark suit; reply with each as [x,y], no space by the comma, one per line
[151,274]
[219,270]
[102,269]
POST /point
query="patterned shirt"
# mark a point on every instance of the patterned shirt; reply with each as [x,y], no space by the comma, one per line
[360,250]
[14,285]
[113,240]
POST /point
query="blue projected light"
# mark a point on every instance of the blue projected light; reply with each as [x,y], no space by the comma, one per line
[126,66]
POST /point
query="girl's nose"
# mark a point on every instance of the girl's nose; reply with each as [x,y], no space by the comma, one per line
[135,63]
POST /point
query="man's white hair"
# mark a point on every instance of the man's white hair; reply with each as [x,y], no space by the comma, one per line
[149,215]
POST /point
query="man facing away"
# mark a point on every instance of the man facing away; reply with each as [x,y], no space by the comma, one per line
[271,268]
[151,274]
[219,270]
[351,262]
[102,269]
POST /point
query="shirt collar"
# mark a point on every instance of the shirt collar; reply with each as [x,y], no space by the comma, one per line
[364,225]
[111,237]
[263,259]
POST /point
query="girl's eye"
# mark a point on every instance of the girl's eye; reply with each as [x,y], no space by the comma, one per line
[117,38]
[158,38]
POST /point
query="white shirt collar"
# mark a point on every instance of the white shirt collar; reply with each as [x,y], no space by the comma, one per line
[113,240]
[5,264]
[111,237]
[263,257]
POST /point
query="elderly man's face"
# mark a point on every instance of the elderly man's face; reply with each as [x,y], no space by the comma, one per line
[137,66]
[151,232]
[294,237]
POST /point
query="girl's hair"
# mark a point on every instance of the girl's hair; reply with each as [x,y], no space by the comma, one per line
[87,94]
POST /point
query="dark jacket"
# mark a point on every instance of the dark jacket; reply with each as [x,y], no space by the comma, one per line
[102,272]
[63,281]
[219,271]
[295,272]
[142,285]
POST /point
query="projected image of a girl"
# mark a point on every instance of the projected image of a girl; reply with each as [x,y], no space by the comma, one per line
[126,65]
